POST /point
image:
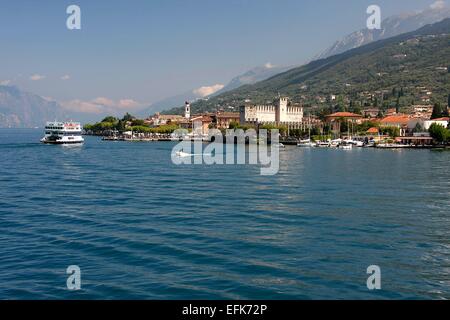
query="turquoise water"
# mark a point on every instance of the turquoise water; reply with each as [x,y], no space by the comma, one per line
[140,227]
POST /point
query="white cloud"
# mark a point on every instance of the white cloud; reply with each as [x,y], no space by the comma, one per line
[101,105]
[5,82]
[268,65]
[65,77]
[128,104]
[82,106]
[440,4]
[37,77]
[206,91]
[104,102]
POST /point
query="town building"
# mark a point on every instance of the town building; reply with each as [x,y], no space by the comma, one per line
[371,113]
[163,119]
[399,121]
[347,116]
[440,121]
[391,112]
[201,124]
[337,118]
[422,111]
[280,113]
[416,140]
[224,119]
[187,110]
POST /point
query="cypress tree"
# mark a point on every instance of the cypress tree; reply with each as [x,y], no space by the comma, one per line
[437,111]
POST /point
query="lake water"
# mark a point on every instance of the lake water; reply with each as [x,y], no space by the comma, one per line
[140,227]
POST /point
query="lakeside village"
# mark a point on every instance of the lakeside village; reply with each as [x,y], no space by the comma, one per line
[418,126]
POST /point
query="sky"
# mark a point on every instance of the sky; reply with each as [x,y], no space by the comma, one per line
[131,53]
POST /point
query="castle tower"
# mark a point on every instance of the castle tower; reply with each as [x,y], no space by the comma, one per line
[281,110]
[187,110]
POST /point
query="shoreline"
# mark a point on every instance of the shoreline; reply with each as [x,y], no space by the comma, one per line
[287,143]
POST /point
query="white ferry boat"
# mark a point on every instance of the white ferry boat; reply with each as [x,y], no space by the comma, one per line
[63,133]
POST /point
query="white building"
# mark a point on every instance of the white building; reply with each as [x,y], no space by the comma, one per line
[187,110]
[278,114]
[441,121]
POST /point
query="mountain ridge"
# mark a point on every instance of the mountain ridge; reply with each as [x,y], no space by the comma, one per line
[251,76]
[391,27]
[289,82]
[23,109]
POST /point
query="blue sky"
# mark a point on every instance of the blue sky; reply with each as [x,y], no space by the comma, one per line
[137,52]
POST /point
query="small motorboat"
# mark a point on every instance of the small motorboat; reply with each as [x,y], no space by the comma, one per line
[356,143]
[346,146]
[323,144]
[182,154]
[305,144]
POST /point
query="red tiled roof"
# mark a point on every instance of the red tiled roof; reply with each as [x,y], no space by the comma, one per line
[344,115]
[441,119]
[396,119]
[228,115]
[373,130]
[202,118]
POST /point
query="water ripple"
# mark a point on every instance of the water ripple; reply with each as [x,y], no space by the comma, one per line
[141,227]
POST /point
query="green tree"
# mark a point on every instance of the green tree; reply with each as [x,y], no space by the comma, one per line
[137,122]
[445,112]
[269,127]
[391,131]
[120,126]
[233,125]
[110,119]
[341,104]
[127,117]
[102,126]
[439,133]
[142,129]
[366,125]
[438,111]
[166,129]
[397,106]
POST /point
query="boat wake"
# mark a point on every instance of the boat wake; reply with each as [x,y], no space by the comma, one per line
[182,154]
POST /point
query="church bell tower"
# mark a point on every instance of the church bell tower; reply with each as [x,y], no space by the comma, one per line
[187,110]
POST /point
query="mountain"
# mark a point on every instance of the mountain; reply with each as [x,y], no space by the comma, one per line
[253,76]
[167,103]
[391,27]
[250,77]
[410,60]
[20,109]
